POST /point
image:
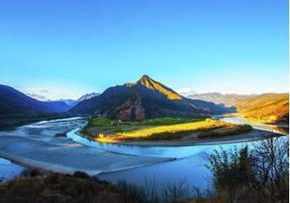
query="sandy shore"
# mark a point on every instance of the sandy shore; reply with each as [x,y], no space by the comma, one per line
[36,145]
[68,157]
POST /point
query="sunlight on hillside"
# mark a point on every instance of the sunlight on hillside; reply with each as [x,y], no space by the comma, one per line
[268,108]
[151,84]
[174,131]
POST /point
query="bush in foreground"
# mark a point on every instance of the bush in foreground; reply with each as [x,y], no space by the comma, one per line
[257,175]
[57,188]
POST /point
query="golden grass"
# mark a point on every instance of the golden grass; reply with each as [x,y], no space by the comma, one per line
[226,131]
[165,132]
[267,108]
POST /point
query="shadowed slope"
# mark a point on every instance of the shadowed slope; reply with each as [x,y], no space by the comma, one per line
[146,98]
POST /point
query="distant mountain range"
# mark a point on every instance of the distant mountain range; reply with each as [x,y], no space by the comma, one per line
[87,96]
[266,108]
[17,107]
[218,98]
[15,102]
[69,102]
[146,98]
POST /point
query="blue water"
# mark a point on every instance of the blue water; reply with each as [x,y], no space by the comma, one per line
[9,170]
[154,151]
[189,167]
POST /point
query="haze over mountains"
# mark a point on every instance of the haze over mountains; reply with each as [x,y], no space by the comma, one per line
[87,96]
[266,108]
[143,99]
[17,107]
[15,102]
[218,98]
[68,103]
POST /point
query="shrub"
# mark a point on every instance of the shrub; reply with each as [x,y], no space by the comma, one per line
[257,175]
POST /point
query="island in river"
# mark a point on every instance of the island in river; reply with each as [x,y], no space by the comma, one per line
[36,145]
[160,131]
[139,147]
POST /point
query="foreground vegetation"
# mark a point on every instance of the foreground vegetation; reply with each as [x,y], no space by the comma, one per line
[110,131]
[258,175]
[52,187]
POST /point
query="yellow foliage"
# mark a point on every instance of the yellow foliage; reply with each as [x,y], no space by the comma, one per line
[267,108]
[165,130]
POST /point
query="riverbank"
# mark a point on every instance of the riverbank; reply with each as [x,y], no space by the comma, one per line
[11,123]
[9,170]
[192,140]
[36,186]
[66,156]
[160,131]
[40,142]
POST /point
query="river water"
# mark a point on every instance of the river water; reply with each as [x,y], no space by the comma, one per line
[189,167]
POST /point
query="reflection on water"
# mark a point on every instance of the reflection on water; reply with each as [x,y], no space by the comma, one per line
[178,151]
[258,126]
[158,151]
[44,131]
[9,170]
[189,166]
[191,171]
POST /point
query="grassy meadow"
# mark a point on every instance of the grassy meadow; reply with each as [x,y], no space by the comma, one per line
[111,131]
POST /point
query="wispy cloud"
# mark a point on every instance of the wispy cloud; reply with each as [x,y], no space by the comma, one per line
[186,91]
[55,93]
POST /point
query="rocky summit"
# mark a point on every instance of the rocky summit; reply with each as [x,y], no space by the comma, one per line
[146,98]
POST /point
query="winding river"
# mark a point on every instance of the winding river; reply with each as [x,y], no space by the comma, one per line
[188,166]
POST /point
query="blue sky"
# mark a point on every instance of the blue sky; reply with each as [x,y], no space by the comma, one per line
[66,48]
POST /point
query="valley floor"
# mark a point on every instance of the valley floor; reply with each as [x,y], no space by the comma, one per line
[66,156]
[45,145]
[163,131]
[193,140]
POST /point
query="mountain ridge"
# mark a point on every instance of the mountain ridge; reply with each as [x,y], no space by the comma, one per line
[14,101]
[266,108]
[148,82]
[146,98]
[17,108]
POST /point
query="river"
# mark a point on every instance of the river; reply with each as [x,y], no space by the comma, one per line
[188,168]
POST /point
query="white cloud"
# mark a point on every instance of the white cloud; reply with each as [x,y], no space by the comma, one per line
[55,93]
[186,91]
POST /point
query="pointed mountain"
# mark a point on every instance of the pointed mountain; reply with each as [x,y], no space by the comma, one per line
[148,82]
[146,98]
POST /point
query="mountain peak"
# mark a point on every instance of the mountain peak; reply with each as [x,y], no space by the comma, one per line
[149,83]
[144,78]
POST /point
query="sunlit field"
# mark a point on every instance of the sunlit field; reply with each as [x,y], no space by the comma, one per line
[108,131]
